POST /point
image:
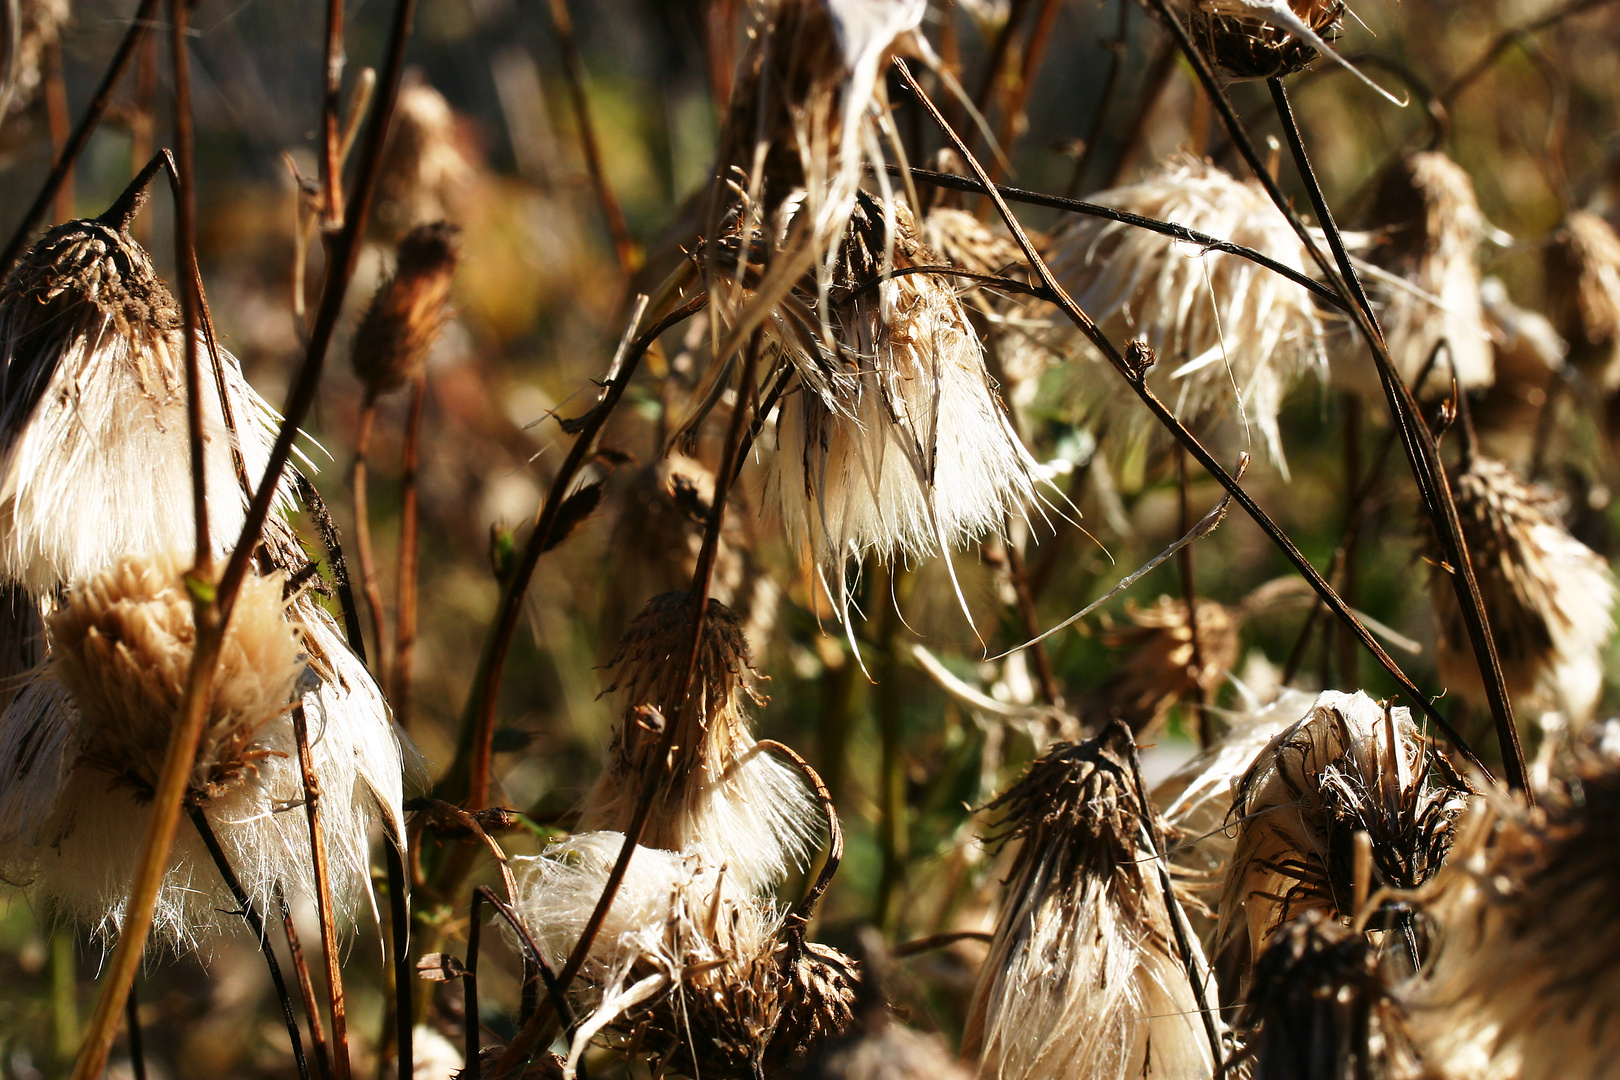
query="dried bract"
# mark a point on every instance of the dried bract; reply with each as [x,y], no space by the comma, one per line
[409,309]
[1259,39]
[424,172]
[1583,285]
[1158,670]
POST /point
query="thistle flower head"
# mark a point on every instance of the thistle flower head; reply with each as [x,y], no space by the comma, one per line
[1549,598]
[1158,669]
[409,309]
[718,791]
[1084,977]
[1216,321]
[1583,286]
[424,171]
[1257,39]
[1349,766]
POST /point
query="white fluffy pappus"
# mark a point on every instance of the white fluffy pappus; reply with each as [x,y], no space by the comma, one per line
[1084,978]
[1216,321]
[748,810]
[77,760]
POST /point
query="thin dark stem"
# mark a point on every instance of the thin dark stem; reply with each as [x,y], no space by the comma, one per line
[399,918]
[137,1044]
[536,970]
[321,516]
[81,134]
[1035,42]
[185,257]
[306,989]
[331,124]
[806,908]
[323,897]
[1349,587]
[1116,54]
[1018,574]
[362,538]
[939,941]
[405,589]
[1189,596]
[343,255]
[256,925]
[1133,368]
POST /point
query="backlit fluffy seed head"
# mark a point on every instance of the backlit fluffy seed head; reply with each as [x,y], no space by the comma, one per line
[93,411]
[39,30]
[1320,1008]
[81,744]
[1548,597]
[1350,765]
[894,440]
[1157,669]
[1526,965]
[1257,39]
[409,309]
[745,808]
[1084,977]
[1583,287]
[1230,334]
[1430,226]
[424,172]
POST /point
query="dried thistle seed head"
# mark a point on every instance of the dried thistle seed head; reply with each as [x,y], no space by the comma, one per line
[819,989]
[424,171]
[121,644]
[1213,319]
[409,309]
[1350,765]
[717,791]
[1583,284]
[1548,597]
[1320,1008]
[1428,227]
[896,441]
[1158,669]
[39,29]
[93,411]
[1084,977]
[1526,964]
[1245,38]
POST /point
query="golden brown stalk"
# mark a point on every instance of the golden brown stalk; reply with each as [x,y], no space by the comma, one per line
[362,541]
[405,591]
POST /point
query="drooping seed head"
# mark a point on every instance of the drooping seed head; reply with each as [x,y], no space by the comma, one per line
[1158,667]
[1245,38]
[1583,286]
[409,309]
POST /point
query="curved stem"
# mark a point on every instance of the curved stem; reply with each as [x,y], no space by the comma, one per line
[323,897]
[359,478]
[185,257]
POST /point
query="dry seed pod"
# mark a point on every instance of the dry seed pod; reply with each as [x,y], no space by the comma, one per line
[1248,40]
[1526,965]
[1084,977]
[1349,766]
[1158,669]
[95,462]
[1214,319]
[409,309]
[423,171]
[1321,1009]
[1583,284]
[1549,598]
[82,744]
[749,811]
[1430,226]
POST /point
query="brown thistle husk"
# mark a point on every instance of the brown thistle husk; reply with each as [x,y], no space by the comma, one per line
[1244,43]
[745,808]
[408,311]
[1084,976]
[1582,266]
[1526,966]
[1350,765]
[1158,670]
[1548,597]
[1321,1008]
[39,29]
[425,174]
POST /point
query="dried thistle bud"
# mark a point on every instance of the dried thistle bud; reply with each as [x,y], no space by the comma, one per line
[423,172]
[1349,766]
[717,791]
[1583,286]
[394,338]
[1158,669]
[1084,976]
[1321,1009]
[1211,319]
[1526,961]
[1549,598]
[1429,226]
[1248,40]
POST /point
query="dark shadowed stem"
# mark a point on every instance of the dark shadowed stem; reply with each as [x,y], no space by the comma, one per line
[1189,595]
[917,946]
[321,516]
[1349,582]
[1116,47]
[399,924]
[405,589]
[143,123]
[362,539]
[1018,574]
[342,256]
[137,1045]
[523,1045]
[468,779]
[805,909]
[306,989]
[81,134]
[185,257]
[1134,371]
[56,118]
[574,69]
[331,124]
[256,925]
[535,968]
[1040,33]
[323,898]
